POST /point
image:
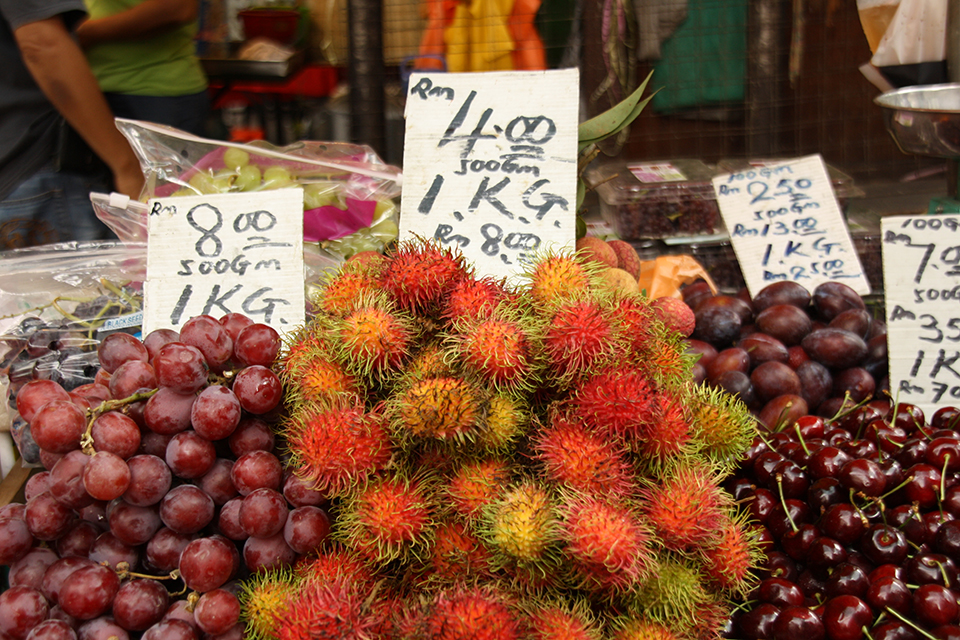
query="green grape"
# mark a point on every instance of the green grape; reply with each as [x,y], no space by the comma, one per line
[202,183]
[275,177]
[234,159]
[183,192]
[385,230]
[223,184]
[363,242]
[319,194]
[384,210]
[248,178]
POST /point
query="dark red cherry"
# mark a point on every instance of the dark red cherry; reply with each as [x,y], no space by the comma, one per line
[779,592]
[825,492]
[844,617]
[761,504]
[846,579]
[884,544]
[889,591]
[922,485]
[827,462]
[843,522]
[930,568]
[934,605]
[811,585]
[859,448]
[894,630]
[779,565]
[913,451]
[907,519]
[792,479]
[797,541]
[946,632]
[757,623]
[864,476]
[909,417]
[824,554]
[946,418]
[951,500]
[947,539]
[810,426]
[798,623]
[944,453]
[784,517]
[764,466]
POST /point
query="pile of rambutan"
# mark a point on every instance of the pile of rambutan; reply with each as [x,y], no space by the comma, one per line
[504,460]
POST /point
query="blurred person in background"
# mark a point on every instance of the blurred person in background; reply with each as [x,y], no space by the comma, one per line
[50,104]
[143,53]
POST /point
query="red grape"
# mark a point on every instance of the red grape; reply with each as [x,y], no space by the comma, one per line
[21,609]
[267,554]
[167,412]
[256,470]
[164,549]
[209,336]
[156,339]
[218,482]
[257,344]
[215,413]
[36,393]
[15,540]
[189,455]
[306,528]
[78,540]
[170,629]
[150,479]
[51,629]
[116,433]
[251,434]
[139,604]
[110,551]
[258,389]
[133,525]
[263,513]
[186,509]
[28,570]
[58,425]
[106,476]
[217,611]
[233,323]
[118,348]
[47,518]
[57,572]
[66,480]
[88,592]
[132,377]
[207,563]
[180,367]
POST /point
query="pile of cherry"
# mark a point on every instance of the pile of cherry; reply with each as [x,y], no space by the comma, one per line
[787,351]
[161,490]
[859,518]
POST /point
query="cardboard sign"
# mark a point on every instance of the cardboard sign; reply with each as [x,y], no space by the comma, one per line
[490,164]
[785,224]
[232,252]
[921,279]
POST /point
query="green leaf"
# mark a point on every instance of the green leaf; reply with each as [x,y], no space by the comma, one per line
[613,119]
[581,192]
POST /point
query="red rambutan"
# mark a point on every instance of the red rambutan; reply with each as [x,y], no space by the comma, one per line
[457,553]
[687,508]
[609,545]
[469,614]
[620,400]
[475,484]
[580,338]
[335,565]
[373,340]
[582,458]
[345,291]
[388,518]
[634,629]
[333,447]
[729,560]
[562,621]
[473,299]
[498,348]
[668,433]
[323,611]
[419,273]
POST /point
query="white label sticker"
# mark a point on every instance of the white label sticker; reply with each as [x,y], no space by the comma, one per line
[785,224]
[921,282]
[222,253]
[490,164]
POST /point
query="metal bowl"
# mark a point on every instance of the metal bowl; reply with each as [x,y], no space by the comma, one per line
[924,120]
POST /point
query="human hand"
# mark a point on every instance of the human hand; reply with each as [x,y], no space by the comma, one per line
[129,181]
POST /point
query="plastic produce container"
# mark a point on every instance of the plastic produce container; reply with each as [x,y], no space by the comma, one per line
[657,199]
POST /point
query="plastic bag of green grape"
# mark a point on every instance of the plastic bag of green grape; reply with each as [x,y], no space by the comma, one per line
[349,194]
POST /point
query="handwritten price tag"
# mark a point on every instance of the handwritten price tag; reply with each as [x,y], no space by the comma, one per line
[785,224]
[231,252]
[490,164]
[921,279]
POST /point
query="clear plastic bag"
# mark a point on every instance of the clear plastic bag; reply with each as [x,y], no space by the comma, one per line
[349,193]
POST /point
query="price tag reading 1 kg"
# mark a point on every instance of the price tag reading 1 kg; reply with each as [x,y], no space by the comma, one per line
[223,253]
[921,278]
[490,164]
[785,224]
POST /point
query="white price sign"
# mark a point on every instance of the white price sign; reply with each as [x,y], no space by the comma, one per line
[785,224]
[921,279]
[222,253]
[490,164]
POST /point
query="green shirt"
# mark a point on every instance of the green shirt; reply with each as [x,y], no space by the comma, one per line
[162,65]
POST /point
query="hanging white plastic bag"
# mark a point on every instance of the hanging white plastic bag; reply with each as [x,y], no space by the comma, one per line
[349,193]
[913,48]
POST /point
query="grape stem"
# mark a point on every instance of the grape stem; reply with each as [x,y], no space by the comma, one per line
[123,572]
[86,440]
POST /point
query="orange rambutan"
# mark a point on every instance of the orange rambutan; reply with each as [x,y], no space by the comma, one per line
[639,629]
[457,553]
[335,564]
[321,378]
[345,291]
[323,610]
[562,621]
[469,613]
[419,273]
[640,323]
[475,484]
[609,546]
[446,408]
[386,519]
[580,338]
[668,433]
[336,445]
[373,339]
[557,277]
[473,299]
[582,458]
[619,399]
[431,361]
[498,349]
[686,508]
[730,559]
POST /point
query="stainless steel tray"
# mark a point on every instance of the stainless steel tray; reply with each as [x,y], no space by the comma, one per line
[924,120]
[227,69]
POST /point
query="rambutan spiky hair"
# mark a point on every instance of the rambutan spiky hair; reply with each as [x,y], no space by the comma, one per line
[687,507]
[470,613]
[419,273]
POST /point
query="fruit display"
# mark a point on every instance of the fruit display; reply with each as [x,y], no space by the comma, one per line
[860,521]
[453,457]
[162,488]
[787,351]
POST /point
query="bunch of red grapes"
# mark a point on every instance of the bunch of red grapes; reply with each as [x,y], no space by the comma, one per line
[859,518]
[162,489]
[788,352]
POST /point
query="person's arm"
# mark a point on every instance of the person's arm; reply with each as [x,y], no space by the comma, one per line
[61,70]
[148,18]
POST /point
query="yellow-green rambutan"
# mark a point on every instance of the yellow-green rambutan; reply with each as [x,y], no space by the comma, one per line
[521,524]
[620,400]
[583,459]
[666,361]
[731,559]
[419,273]
[564,619]
[672,596]
[333,446]
[473,299]
[504,419]
[722,427]
[470,613]
[386,519]
[446,408]
[431,361]
[580,338]
[639,629]
[324,611]
[262,597]
[609,545]
[475,484]
[687,507]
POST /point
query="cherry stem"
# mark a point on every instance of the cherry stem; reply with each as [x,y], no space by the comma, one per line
[783,502]
[803,444]
[943,484]
[904,620]
[898,487]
